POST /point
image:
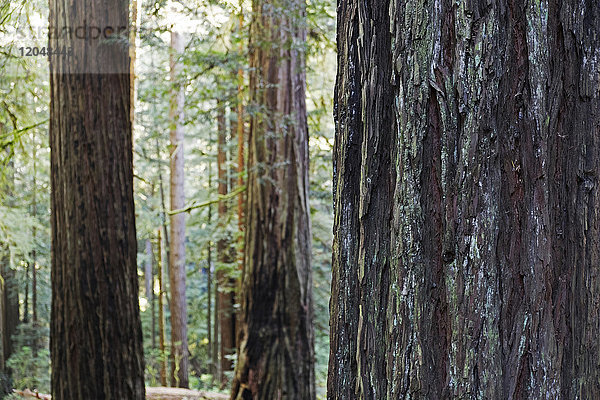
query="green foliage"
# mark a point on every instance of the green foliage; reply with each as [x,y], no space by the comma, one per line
[30,369]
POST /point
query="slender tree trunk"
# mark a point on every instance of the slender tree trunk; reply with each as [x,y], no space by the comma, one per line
[162,285]
[10,294]
[34,237]
[148,276]
[216,341]
[177,264]
[466,190]
[26,297]
[149,282]
[240,146]
[10,309]
[96,337]
[226,316]
[232,172]
[209,282]
[161,314]
[276,357]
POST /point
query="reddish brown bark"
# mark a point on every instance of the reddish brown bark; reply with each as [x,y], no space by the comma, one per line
[276,356]
[96,339]
[466,179]
[179,341]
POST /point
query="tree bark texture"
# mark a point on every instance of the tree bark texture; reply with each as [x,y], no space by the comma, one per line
[466,195]
[177,254]
[276,356]
[96,338]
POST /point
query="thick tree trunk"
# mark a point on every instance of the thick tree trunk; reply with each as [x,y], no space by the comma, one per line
[177,261]
[276,357]
[466,184]
[96,338]
[226,299]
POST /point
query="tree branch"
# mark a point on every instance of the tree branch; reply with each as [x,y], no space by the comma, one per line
[220,198]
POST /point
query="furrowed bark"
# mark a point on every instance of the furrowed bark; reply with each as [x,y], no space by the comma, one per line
[493,241]
[276,356]
[96,339]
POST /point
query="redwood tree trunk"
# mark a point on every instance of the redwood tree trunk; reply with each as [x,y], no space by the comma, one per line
[466,189]
[179,342]
[96,338]
[276,356]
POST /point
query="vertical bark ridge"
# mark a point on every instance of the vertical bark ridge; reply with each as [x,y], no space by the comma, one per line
[341,383]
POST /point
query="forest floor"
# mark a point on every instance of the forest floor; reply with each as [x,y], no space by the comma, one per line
[152,393]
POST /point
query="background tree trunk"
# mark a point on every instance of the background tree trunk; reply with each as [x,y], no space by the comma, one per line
[34,288]
[10,306]
[161,315]
[177,261]
[96,338]
[226,300]
[466,183]
[276,356]
[149,286]
[209,285]
[10,284]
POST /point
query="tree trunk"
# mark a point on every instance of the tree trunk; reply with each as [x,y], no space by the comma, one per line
[10,285]
[149,284]
[209,284]
[161,315]
[226,300]
[96,337]
[276,357]
[10,305]
[240,147]
[26,296]
[466,183]
[34,290]
[215,345]
[179,342]
[148,275]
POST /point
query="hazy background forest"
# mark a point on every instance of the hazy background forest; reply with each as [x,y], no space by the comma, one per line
[214,35]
